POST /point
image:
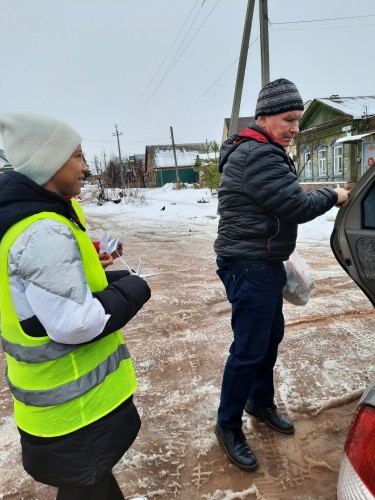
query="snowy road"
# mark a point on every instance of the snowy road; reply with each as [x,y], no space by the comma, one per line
[179,343]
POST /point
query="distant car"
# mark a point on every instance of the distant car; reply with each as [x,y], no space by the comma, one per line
[353,244]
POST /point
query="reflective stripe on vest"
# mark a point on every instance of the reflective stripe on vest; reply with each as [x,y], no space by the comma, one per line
[66,392]
[59,388]
[39,353]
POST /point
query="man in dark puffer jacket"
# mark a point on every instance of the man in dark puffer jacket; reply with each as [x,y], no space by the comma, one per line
[261,204]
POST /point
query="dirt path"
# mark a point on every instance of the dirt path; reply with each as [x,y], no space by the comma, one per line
[179,345]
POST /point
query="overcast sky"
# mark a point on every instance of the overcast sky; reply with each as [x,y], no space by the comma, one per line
[146,65]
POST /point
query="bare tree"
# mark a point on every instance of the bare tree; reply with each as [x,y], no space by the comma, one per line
[117,180]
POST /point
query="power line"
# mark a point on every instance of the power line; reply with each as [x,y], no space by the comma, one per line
[178,56]
[174,60]
[165,57]
[324,28]
[144,105]
[191,105]
[323,20]
[214,83]
[127,140]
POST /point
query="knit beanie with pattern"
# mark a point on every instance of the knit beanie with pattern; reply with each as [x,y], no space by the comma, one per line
[37,145]
[277,97]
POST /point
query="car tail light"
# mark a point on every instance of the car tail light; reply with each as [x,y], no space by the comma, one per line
[357,471]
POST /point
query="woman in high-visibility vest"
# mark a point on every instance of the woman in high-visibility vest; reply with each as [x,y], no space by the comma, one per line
[68,368]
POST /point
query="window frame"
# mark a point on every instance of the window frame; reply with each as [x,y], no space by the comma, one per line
[322,163]
[308,172]
[334,157]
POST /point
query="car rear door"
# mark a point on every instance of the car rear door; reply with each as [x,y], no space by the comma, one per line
[353,236]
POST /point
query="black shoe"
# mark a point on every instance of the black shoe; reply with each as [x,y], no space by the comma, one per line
[236,447]
[272,417]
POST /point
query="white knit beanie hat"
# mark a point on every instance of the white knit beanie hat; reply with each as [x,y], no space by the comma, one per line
[37,145]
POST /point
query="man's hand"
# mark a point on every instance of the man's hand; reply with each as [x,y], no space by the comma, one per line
[342,196]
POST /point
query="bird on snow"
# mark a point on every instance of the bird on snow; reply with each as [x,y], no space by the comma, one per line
[162,209]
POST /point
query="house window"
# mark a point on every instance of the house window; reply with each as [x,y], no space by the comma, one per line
[307,162]
[322,162]
[337,160]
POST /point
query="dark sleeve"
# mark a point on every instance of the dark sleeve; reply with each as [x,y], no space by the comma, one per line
[116,275]
[270,182]
[122,299]
[33,327]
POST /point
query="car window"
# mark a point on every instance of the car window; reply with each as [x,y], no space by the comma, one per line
[369,209]
[353,236]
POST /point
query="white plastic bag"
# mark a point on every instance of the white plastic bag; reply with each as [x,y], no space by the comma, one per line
[299,285]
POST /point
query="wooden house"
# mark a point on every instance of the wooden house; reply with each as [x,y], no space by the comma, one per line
[161,165]
[336,143]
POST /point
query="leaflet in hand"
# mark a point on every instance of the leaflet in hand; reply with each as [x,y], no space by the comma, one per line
[113,246]
[108,246]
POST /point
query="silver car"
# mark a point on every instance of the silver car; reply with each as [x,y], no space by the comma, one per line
[353,244]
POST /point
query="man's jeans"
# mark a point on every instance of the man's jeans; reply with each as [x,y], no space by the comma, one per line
[254,289]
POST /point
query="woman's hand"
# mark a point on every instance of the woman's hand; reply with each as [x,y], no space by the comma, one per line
[117,252]
[105,259]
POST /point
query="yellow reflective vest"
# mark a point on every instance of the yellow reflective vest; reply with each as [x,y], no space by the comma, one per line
[59,388]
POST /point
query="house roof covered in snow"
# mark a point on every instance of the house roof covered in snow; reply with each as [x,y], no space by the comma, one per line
[357,107]
[162,156]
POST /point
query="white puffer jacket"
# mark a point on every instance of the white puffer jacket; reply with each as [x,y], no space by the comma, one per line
[57,294]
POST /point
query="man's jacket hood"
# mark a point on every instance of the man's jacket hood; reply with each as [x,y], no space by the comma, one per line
[250,133]
[21,197]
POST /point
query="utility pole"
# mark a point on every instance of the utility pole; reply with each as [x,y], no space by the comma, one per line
[365,115]
[241,68]
[117,133]
[175,159]
[264,46]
